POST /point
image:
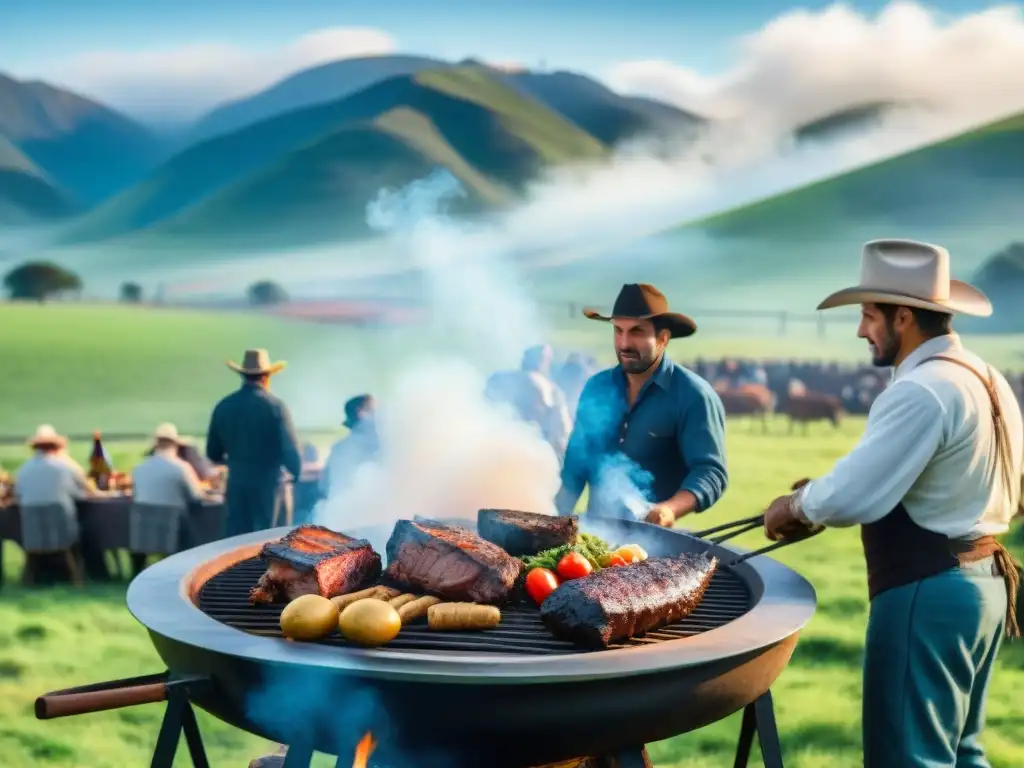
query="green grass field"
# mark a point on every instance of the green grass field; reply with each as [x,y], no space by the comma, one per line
[125,369]
[817,697]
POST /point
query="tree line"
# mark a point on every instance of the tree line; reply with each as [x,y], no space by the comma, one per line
[43,281]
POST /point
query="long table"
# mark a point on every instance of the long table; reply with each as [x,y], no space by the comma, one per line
[104,526]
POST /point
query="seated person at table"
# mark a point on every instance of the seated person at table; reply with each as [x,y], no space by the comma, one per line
[162,480]
[188,453]
[50,476]
[46,488]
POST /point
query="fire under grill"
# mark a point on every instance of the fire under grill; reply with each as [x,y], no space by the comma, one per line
[225,597]
[508,697]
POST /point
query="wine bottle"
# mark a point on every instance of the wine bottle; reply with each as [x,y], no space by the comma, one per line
[100,466]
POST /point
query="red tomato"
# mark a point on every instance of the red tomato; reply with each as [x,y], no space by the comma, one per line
[540,582]
[616,559]
[574,566]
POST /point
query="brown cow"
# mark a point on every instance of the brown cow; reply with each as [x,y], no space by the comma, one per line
[813,406]
[748,400]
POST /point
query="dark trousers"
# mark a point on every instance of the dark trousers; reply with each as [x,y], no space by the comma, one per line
[250,507]
[928,659]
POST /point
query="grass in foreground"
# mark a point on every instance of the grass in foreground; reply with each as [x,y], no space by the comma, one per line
[817,698]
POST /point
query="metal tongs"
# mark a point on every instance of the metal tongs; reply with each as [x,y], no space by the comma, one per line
[736,527]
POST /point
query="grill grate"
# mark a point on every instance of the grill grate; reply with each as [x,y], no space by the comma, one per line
[225,597]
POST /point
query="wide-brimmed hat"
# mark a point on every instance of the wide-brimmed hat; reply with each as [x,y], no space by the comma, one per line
[911,274]
[256,362]
[46,435]
[640,301]
[167,431]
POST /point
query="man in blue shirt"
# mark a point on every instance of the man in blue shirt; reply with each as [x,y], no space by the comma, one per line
[649,437]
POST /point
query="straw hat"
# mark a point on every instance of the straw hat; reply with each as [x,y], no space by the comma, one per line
[46,436]
[640,301]
[911,274]
[256,362]
[167,431]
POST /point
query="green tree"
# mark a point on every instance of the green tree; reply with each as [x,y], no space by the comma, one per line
[39,280]
[131,293]
[266,293]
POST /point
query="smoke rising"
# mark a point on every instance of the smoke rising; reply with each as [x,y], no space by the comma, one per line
[446,452]
[806,64]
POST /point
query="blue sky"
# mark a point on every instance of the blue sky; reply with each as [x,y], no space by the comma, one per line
[170,60]
[581,33]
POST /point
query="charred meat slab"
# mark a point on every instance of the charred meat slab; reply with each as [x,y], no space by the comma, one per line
[627,601]
[526,533]
[450,562]
[313,560]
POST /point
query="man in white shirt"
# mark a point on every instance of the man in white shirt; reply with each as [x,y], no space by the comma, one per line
[936,475]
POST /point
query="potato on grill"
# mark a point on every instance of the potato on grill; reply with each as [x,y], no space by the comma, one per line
[370,622]
[309,617]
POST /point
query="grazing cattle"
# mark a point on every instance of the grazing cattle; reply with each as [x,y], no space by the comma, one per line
[748,400]
[813,406]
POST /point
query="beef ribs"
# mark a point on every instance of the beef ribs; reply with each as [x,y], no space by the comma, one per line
[451,562]
[313,560]
[628,600]
[526,533]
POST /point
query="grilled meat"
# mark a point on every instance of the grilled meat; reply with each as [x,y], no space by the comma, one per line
[450,562]
[526,533]
[629,600]
[313,560]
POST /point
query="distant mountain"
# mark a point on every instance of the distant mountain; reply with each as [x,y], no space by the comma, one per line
[1001,277]
[592,106]
[26,195]
[310,173]
[970,181]
[851,119]
[85,148]
[327,82]
[600,111]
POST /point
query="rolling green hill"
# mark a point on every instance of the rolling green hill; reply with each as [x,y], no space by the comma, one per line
[970,180]
[26,195]
[1001,277]
[459,118]
[85,148]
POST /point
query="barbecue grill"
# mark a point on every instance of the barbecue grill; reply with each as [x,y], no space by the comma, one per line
[513,696]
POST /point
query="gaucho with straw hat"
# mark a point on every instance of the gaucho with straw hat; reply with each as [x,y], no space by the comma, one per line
[647,419]
[251,430]
[934,479]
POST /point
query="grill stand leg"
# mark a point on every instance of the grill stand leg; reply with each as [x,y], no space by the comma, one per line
[759,718]
[179,717]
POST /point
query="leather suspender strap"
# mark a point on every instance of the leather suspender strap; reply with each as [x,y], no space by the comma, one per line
[1005,561]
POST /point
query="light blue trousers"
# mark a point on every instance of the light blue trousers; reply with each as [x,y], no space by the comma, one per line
[928,659]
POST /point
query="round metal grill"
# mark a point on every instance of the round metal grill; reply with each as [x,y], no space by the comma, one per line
[225,597]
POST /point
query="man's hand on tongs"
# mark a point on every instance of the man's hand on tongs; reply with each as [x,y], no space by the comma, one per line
[781,520]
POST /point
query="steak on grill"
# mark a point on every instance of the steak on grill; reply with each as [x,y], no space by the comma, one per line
[628,600]
[451,562]
[313,560]
[526,533]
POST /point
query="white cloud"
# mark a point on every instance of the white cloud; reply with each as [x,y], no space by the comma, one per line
[180,83]
[803,64]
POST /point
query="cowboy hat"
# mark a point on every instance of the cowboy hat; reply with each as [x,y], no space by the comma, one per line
[167,431]
[256,362]
[911,274]
[47,435]
[640,301]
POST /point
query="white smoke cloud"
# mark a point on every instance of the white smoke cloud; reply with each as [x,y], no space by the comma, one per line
[446,451]
[180,83]
[806,64]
